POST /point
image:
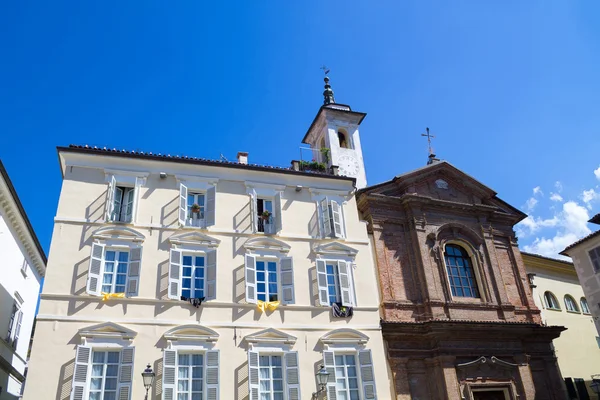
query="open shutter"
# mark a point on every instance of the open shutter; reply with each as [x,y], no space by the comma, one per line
[250,278]
[278,214]
[211,275]
[183,195]
[322,282]
[117,207]
[345,283]
[175,274]
[169,369]
[287,280]
[212,374]
[328,362]
[83,359]
[366,374]
[325,217]
[18,329]
[210,206]
[292,375]
[336,215]
[253,212]
[110,199]
[94,281]
[126,373]
[136,199]
[133,276]
[127,206]
[253,374]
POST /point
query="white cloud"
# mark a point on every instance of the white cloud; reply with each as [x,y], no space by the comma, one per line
[531,225]
[558,186]
[537,190]
[530,204]
[556,197]
[597,173]
[589,196]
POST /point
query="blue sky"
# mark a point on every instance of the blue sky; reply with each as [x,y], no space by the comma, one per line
[510,89]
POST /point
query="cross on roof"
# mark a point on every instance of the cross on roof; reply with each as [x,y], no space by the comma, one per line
[429,137]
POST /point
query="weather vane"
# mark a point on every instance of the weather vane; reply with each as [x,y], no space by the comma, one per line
[429,137]
[325,69]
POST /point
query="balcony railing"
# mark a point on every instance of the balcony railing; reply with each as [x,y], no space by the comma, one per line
[266,225]
[314,160]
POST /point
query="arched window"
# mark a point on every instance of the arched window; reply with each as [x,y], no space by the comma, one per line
[343,138]
[551,301]
[460,272]
[571,304]
[584,306]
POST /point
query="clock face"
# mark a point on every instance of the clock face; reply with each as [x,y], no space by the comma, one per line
[348,165]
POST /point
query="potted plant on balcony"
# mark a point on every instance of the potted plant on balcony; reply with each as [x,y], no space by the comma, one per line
[195,208]
[266,215]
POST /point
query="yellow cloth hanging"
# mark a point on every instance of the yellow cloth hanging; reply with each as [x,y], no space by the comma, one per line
[107,296]
[267,305]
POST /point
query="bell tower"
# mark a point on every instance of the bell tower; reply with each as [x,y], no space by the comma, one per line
[334,137]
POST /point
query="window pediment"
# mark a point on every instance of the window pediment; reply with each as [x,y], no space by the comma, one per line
[118,233]
[271,336]
[344,336]
[266,243]
[194,238]
[335,248]
[192,333]
[107,330]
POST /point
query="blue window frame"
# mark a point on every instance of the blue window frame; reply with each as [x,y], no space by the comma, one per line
[460,272]
[115,271]
[333,283]
[192,276]
[266,280]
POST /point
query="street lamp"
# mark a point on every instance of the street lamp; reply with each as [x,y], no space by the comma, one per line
[322,377]
[148,377]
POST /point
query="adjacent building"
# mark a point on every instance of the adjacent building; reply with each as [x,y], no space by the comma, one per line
[232,280]
[23,265]
[558,294]
[458,315]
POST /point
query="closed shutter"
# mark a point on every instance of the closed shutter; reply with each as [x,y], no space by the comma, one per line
[175,274]
[250,273]
[182,212]
[210,208]
[136,199]
[211,275]
[367,375]
[126,373]
[169,370]
[345,283]
[110,199]
[328,362]
[253,375]
[212,374]
[322,282]
[278,214]
[253,212]
[83,359]
[94,281]
[133,276]
[336,215]
[17,329]
[325,217]
[292,375]
[287,279]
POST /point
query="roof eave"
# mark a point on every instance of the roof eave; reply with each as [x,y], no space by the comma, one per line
[324,107]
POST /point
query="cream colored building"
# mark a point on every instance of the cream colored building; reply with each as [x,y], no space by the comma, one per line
[560,297]
[138,234]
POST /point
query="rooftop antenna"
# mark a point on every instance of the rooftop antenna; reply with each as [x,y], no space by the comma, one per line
[222,158]
[429,136]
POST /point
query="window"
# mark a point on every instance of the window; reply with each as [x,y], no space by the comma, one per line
[197,209]
[460,272]
[114,270]
[273,376]
[269,279]
[595,257]
[351,375]
[551,302]
[121,198]
[190,375]
[332,218]
[343,139]
[584,306]
[14,326]
[105,371]
[265,216]
[571,304]
[335,281]
[193,274]
[265,211]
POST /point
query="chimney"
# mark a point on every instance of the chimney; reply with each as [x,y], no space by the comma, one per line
[242,157]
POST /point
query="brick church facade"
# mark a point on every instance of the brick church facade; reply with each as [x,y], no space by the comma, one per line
[457,311]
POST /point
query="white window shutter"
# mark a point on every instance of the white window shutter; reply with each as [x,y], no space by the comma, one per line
[322,282]
[183,195]
[211,371]
[211,275]
[94,281]
[81,372]
[367,375]
[18,329]
[336,215]
[278,213]
[253,382]
[326,217]
[126,373]
[287,279]
[110,198]
[292,375]
[129,205]
[210,206]
[133,276]
[169,374]
[328,362]
[136,198]
[175,274]
[250,270]
[253,211]
[345,283]
[117,207]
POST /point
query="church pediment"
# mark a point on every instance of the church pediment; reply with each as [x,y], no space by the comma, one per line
[270,335]
[194,238]
[107,330]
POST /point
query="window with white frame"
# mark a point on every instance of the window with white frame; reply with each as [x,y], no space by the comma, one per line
[273,374]
[190,374]
[595,258]
[351,375]
[269,278]
[571,304]
[14,325]
[551,301]
[122,198]
[197,207]
[193,273]
[114,269]
[265,211]
[584,306]
[335,282]
[332,218]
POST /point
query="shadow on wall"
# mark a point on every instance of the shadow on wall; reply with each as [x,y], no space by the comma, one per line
[162,280]
[241,220]
[314,287]
[65,380]
[169,213]
[241,382]
[239,293]
[93,213]
[78,286]
[313,225]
